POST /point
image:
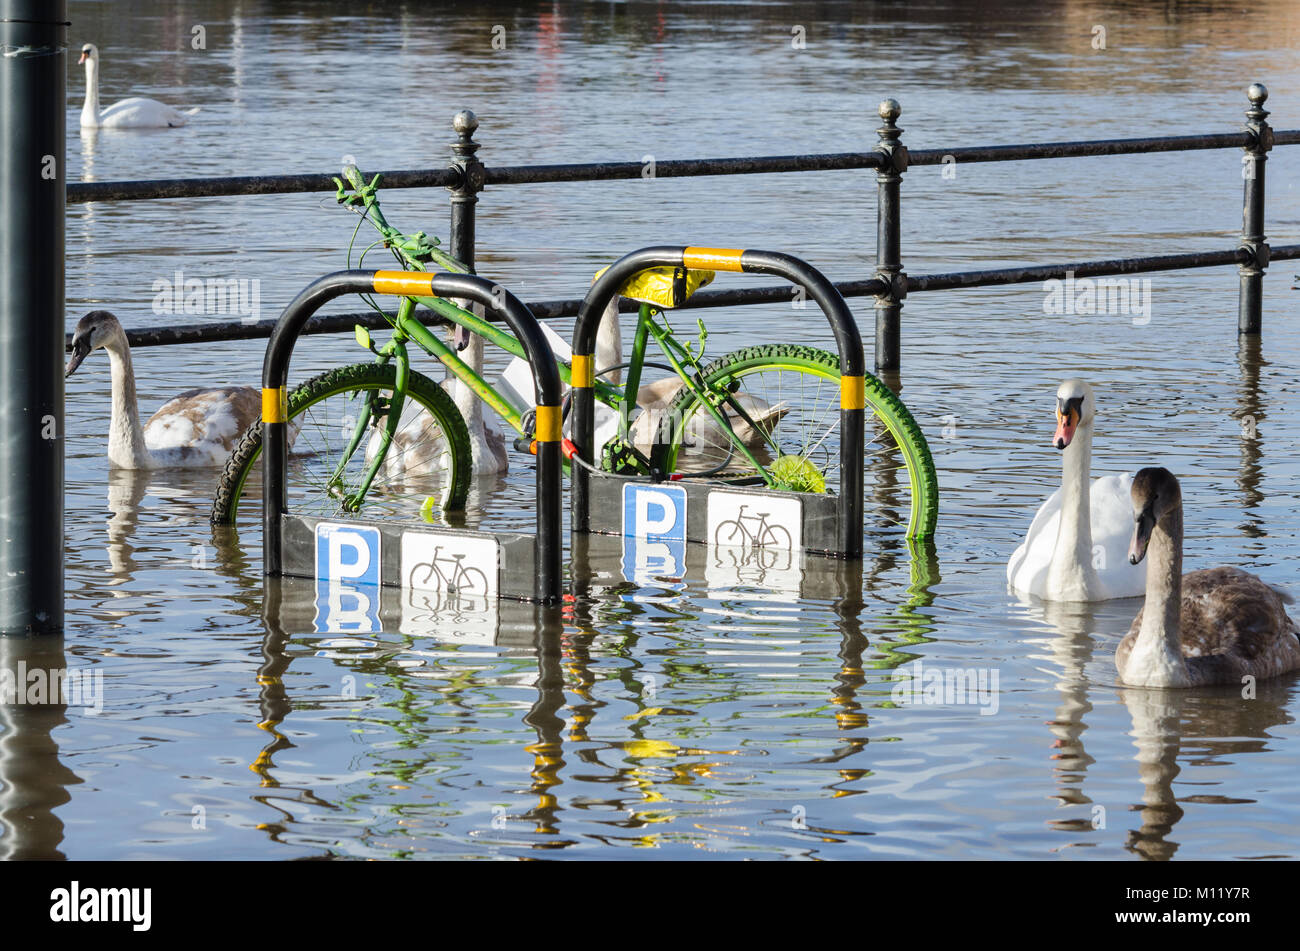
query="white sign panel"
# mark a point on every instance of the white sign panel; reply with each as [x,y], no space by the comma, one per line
[453,568]
[759,524]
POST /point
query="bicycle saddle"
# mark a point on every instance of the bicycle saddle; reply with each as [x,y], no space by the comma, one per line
[663,287]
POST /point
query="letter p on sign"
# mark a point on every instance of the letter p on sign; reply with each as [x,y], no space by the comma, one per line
[657,512]
[347,553]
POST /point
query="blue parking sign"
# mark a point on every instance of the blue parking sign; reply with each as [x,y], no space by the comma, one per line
[347,578]
[654,532]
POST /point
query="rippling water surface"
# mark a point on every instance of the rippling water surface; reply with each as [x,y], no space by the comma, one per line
[732,714]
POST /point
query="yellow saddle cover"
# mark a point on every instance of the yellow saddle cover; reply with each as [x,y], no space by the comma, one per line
[664,287]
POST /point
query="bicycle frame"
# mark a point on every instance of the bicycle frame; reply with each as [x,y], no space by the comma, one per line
[414,251]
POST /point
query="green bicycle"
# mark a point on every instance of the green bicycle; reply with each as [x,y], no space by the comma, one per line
[382,437]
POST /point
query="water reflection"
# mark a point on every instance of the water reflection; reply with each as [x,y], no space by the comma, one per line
[33,779]
[545,717]
[1224,726]
[1250,414]
[653,780]
[126,490]
[1070,648]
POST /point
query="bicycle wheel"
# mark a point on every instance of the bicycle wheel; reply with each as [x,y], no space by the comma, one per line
[470,583]
[429,455]
[776,538]
[790,397]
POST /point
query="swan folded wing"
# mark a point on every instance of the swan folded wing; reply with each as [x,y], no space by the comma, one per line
[1231,624]
[141,113]
[203,423]
[1027,569]
[1227,610]
[704,432]
[419,448]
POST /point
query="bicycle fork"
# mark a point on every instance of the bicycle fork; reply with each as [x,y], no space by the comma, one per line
[370,410]
[693,381]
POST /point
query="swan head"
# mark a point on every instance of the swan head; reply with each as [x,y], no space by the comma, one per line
[1075,407]
[89,55]
[97,329]
[1155,494]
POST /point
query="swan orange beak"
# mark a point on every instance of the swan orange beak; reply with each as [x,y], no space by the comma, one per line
[1066,424]
[1145,524]
[83,58]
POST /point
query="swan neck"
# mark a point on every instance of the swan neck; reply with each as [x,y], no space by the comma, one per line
[609,342]
[1072,558]
[126,445]
[1160,629]
[90,111]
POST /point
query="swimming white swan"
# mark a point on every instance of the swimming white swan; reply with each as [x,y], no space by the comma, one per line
[1214,626]
[196,429]
[1077,545]
[133,113]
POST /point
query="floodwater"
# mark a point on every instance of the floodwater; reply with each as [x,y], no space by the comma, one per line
[722,715]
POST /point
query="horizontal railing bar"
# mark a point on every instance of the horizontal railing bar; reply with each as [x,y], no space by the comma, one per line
[676,168]
[554,309]
[247,185]
[542,310]
[1047,150]
[679,168]
[1047,272]
[258,329]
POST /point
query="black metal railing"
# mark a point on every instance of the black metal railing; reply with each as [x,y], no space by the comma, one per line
[889,284]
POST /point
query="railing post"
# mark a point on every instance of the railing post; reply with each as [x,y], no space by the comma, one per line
[33,70]
[1250,299]
[465,195]
[889,264]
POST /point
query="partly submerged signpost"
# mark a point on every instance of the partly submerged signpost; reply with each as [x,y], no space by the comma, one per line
[33,36]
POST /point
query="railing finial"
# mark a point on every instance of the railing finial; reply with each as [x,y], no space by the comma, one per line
[465,123]
[1257,94]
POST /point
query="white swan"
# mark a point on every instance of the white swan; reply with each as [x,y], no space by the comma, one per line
[133,113]
[1215,626]
[1077,545]
[196,429]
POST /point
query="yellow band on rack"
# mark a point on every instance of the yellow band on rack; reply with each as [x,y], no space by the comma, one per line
[853,392]
[275,405]
[548,424]
[404,283]
[712,259]
[583,374]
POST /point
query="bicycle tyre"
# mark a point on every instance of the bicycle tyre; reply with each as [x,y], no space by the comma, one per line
[893,439]
[314,436]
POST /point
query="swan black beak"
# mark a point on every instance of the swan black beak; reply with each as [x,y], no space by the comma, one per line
[80,350]
[1145,525]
